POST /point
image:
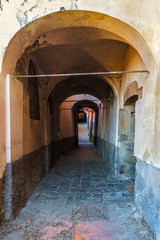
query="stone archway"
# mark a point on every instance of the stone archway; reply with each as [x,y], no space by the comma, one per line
[41,37]
[32,38]
[132,90]
[87,104]
[127,128]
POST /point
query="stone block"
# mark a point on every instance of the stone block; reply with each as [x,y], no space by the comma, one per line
[1,199]
[125,123]
[110,153]
[123,137]
[131,159]
[129,150]
[147,197]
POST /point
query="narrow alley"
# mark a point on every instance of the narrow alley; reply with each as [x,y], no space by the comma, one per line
[83,134]
[79,199]
[79,125]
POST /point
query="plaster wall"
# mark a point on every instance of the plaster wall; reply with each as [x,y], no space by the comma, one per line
[16,96]
[27,150]
[67,119]
[111,121]
[121,13]
[145,107]
[132,61]
[63,125]
[107,134]
[67,124]
[14,15]
[33,134]
[32,129]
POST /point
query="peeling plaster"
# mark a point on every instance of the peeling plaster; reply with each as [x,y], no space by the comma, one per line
[36,45]
[74,5]
[18,13]
[22,12]
[1,5]
[28,11]
[23,2]
[62,9]
[22,18]
[20,67]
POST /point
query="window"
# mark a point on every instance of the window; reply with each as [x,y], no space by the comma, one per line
[33,93]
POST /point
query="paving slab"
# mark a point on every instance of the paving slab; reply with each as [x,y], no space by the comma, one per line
[80,199]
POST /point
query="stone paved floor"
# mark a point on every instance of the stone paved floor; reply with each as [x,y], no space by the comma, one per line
[79,199]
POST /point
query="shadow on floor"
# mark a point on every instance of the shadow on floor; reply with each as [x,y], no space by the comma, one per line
[79,199]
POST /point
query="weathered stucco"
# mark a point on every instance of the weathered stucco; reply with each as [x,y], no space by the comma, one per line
[93,36]
[35,29]
[23,12]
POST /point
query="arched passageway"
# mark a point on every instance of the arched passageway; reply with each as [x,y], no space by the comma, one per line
[81,87]
[82,116]
[91,109]
[86,125]
[44,123]
[127,129]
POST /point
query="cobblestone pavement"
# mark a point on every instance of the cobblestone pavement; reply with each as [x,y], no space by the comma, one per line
[79,199]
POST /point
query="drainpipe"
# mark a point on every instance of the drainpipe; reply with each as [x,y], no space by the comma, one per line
[8,172]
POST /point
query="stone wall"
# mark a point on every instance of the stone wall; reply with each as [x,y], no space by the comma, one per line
[1,199]
[62,146]
[134,29]
[147,194]
[26,174]
[55,151]
[110,153]
[126,139]
[68,144]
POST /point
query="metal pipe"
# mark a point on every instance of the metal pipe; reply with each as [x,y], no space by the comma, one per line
[79,100]
[80,74]
[62,109]
[8,172]
[8,121]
